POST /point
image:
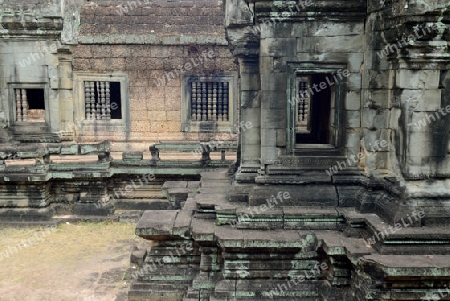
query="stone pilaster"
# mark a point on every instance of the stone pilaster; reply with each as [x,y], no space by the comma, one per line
[245,41]
[64,85]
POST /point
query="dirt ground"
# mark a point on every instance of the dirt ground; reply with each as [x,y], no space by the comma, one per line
[74,262]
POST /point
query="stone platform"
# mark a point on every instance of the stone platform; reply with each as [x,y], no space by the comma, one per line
[41,182]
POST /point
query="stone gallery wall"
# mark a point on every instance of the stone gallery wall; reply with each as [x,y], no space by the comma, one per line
[150,46]
[155,43]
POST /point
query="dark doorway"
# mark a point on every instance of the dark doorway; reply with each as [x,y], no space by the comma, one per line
[319,109]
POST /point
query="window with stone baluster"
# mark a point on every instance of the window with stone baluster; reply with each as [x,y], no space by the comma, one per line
[101,100]
[208,102]
[29,103]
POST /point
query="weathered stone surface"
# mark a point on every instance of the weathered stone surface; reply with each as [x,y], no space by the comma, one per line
[156,224]
[390,83]
[311,195]
[88,209]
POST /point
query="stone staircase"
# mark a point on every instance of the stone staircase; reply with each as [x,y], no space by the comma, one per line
[251,253]
[167,272]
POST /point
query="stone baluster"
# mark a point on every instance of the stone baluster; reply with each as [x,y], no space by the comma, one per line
[220,103]
[194,107]
[88,95]
[199,101]
[24,105]
[108,100]
[303,105]
[102,100]
[204,100]
[210,101]
[225,101]
[214,108]
[98,104]
[18,105]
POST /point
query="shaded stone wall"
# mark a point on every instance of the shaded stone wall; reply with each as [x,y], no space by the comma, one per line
[390,123]
[282,40]
[404,102]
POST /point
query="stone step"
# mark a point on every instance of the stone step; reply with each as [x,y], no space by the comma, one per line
[49,223]
[143,194]
[271,265]
[92,209]
[26,215]
[265,274]
[292,195]
[386,238]
[143,204]
[192,294]
[130,216]
[159,287]
[140,295]
[215,175]
[306,255]
[166,274]
[274,297]
[174,259]
[259,289]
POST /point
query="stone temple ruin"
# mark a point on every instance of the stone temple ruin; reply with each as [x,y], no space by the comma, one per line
[272,150]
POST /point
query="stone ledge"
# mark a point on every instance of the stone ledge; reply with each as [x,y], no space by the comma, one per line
[156,225]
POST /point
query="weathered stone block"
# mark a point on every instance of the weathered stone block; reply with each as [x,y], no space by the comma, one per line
[278,47]
[353,100]
[303,195]
[353,119]
[377,98]
[43,214]
[156,225]
[91,209]
[327,29]
[376,79]
[353,137]
[273,82]
[375,119]
[417,79]
[347,44]
[250,82]
[278,30]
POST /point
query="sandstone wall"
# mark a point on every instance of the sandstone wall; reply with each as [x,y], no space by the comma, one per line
[149,41]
